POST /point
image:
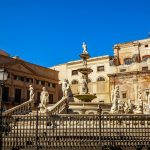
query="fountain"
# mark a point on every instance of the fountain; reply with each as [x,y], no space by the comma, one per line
[85,71]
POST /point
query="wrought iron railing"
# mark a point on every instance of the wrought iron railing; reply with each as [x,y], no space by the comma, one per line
[76,131]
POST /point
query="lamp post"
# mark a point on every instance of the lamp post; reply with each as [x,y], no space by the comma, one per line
[3,78]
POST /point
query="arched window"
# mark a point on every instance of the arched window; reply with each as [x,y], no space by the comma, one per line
[101,85]
[74,82]
[100,79]
[128,61]
[74,87]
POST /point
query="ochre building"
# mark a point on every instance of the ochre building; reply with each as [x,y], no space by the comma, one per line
[20,75]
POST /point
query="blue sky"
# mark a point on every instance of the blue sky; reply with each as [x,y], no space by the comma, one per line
[51,32]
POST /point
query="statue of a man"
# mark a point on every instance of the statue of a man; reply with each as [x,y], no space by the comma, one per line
[65,87]
[44,98]
[84,46]
[32,94]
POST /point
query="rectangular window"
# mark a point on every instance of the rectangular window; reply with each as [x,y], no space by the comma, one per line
[146,45]
[53,85]
[122,70]
[144,68]
[124,95]
[74,72]
[100,68]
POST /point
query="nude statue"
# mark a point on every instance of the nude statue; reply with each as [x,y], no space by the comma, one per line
[44,98]
[32,94]
[65,88]
[84,46]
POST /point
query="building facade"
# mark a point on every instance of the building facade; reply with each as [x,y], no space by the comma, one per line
[129,68]
[98,83]
[21,74]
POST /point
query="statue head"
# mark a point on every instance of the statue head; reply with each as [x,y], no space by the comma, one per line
[44,88]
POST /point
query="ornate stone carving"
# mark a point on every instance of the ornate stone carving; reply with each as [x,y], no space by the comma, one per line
[84,46]
[115,97]
[84,85]
[65,88]
[139,105]
[44,98]
[32,94]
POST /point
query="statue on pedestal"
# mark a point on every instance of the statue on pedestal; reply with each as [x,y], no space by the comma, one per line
[44,98]
[65,88]
[139,106]
[84,46]
[32,94]
[115,98]
[147,106]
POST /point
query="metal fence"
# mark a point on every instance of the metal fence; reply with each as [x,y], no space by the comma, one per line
[66,131]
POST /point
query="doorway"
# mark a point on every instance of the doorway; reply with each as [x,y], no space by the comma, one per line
[17,95]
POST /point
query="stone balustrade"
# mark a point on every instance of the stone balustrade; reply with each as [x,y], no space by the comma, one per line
[19,109]
[59,107]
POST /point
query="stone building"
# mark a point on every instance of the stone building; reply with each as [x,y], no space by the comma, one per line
[21,75]
[98,79]
[130,69]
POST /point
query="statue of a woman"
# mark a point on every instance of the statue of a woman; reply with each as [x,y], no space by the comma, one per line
[31,89]
[44,97]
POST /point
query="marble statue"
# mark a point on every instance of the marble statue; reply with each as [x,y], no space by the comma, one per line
[44,98]
[115,98]
[139,105]
[32,94]
[84,46]
[147,106]
[65,88]
[128,107]
[84,85]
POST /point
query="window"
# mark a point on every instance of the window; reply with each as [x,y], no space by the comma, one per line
[29,80]
[128,61]
[146,45]
[144,68]
[53,85]
[100,68]
[122,70]
[74,82]
[50,84]
[50,99]
[100,79]
[74,72]
[124,95]
[101,85]
[42,82]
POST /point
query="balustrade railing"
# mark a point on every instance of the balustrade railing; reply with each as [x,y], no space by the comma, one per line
[76,131]
[60,107]
[19,109]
